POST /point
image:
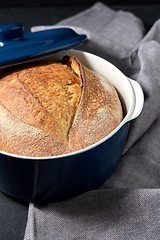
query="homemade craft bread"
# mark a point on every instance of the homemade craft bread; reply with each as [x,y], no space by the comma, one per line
[50,108]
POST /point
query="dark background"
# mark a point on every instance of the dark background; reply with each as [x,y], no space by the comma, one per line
[42,3]
[49,12]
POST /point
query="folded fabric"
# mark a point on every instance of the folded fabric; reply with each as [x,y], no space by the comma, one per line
[115,210]
[98,215]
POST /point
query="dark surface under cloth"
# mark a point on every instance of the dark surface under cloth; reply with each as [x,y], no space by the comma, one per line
[13,212]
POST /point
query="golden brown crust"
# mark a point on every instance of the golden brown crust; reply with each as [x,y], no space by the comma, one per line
[98,114]
[19,138]
[52,108]
[44,96]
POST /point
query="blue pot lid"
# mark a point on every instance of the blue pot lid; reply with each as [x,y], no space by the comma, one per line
[17,47]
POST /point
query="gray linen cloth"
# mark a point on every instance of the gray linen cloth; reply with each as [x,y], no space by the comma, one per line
[127,205]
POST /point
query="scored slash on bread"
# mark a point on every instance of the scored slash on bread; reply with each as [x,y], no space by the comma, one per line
[50,108]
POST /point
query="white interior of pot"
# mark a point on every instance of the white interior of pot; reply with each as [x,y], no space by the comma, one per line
[109,72]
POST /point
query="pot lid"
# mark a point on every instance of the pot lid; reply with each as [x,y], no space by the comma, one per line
[17,46]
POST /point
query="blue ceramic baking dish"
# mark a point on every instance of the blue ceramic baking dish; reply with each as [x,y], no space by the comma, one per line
[61,177]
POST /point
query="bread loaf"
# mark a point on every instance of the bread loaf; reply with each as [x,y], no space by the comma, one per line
[50,108]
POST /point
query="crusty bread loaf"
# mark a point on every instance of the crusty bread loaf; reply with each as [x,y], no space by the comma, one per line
[50,108]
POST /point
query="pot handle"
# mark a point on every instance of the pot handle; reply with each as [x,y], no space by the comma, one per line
[139,98]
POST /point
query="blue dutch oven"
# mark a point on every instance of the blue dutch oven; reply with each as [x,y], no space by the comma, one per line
[61,177]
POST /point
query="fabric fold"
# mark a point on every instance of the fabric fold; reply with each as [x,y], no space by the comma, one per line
[111,215]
